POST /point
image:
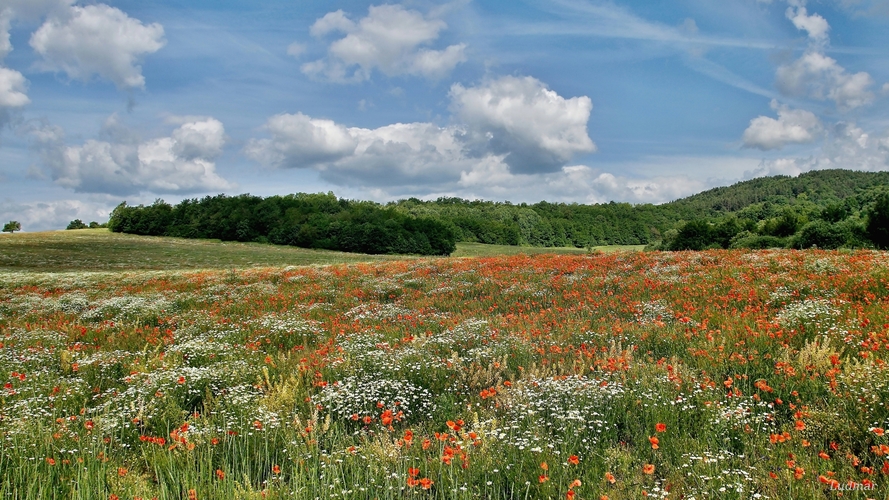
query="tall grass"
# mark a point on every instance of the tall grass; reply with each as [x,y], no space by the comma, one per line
[721,374]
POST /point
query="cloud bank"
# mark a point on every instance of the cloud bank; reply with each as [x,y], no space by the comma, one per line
[516,122]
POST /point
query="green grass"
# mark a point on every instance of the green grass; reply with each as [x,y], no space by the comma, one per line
[102,250]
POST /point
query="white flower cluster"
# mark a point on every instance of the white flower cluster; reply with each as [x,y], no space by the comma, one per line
[366,396]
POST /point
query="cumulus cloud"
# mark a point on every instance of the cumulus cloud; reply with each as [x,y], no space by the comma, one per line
[123,164]
[814,25]
[533,126]
[816,75]
[397,154]
[820,77]
[97,40]
[390,39]
[299,141]
[12,89]
[513,123]
[848,147]
[30,10]
[13,96]
[793,126]
[13,85]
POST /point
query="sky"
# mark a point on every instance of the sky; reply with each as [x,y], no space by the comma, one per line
[585,101]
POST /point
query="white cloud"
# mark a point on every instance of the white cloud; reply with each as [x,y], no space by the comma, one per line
[793,126]
[332,22]
[820,77]
[573,183]
[848,147]
[394,155]
[815,26]
[12,89]
[816,75]
[24,9]
[53,215]
[534,127]
[512,123]
[391,39]
[199,139]
[97,40]
[299,141]
[180,163]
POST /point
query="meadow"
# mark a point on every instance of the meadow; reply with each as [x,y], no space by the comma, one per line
[625,375]
[102,250]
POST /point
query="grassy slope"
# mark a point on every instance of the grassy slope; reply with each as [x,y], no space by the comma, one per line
[101,250]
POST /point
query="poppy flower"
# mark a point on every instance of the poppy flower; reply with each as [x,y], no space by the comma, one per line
[660,427]
[648,469]
[610,478]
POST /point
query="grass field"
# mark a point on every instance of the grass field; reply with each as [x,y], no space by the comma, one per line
[622,375]
[102,250]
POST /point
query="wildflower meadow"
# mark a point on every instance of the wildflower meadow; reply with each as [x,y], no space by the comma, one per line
[693,375]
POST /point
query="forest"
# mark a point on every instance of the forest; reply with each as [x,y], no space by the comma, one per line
[826,209]
[305,220]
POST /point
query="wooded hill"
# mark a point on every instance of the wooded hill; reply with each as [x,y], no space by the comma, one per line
[826,208]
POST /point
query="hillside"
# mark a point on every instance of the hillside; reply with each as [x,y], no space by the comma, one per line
[820,186]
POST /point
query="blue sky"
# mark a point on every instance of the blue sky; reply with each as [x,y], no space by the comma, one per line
[569,100]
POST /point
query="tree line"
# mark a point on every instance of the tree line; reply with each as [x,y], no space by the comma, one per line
[827,209]
[318,221]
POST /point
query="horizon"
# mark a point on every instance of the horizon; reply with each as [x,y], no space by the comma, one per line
[567,101]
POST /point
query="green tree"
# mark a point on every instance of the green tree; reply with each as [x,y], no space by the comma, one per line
[696,234]
[877,227]
[12,226]
[76,224]
[822,234]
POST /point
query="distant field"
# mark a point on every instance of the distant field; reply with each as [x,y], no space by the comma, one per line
[481,250]
[101,250]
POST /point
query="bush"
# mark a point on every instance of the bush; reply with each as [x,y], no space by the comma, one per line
[822,234]
[746,239]
[76,224]
[694,235]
